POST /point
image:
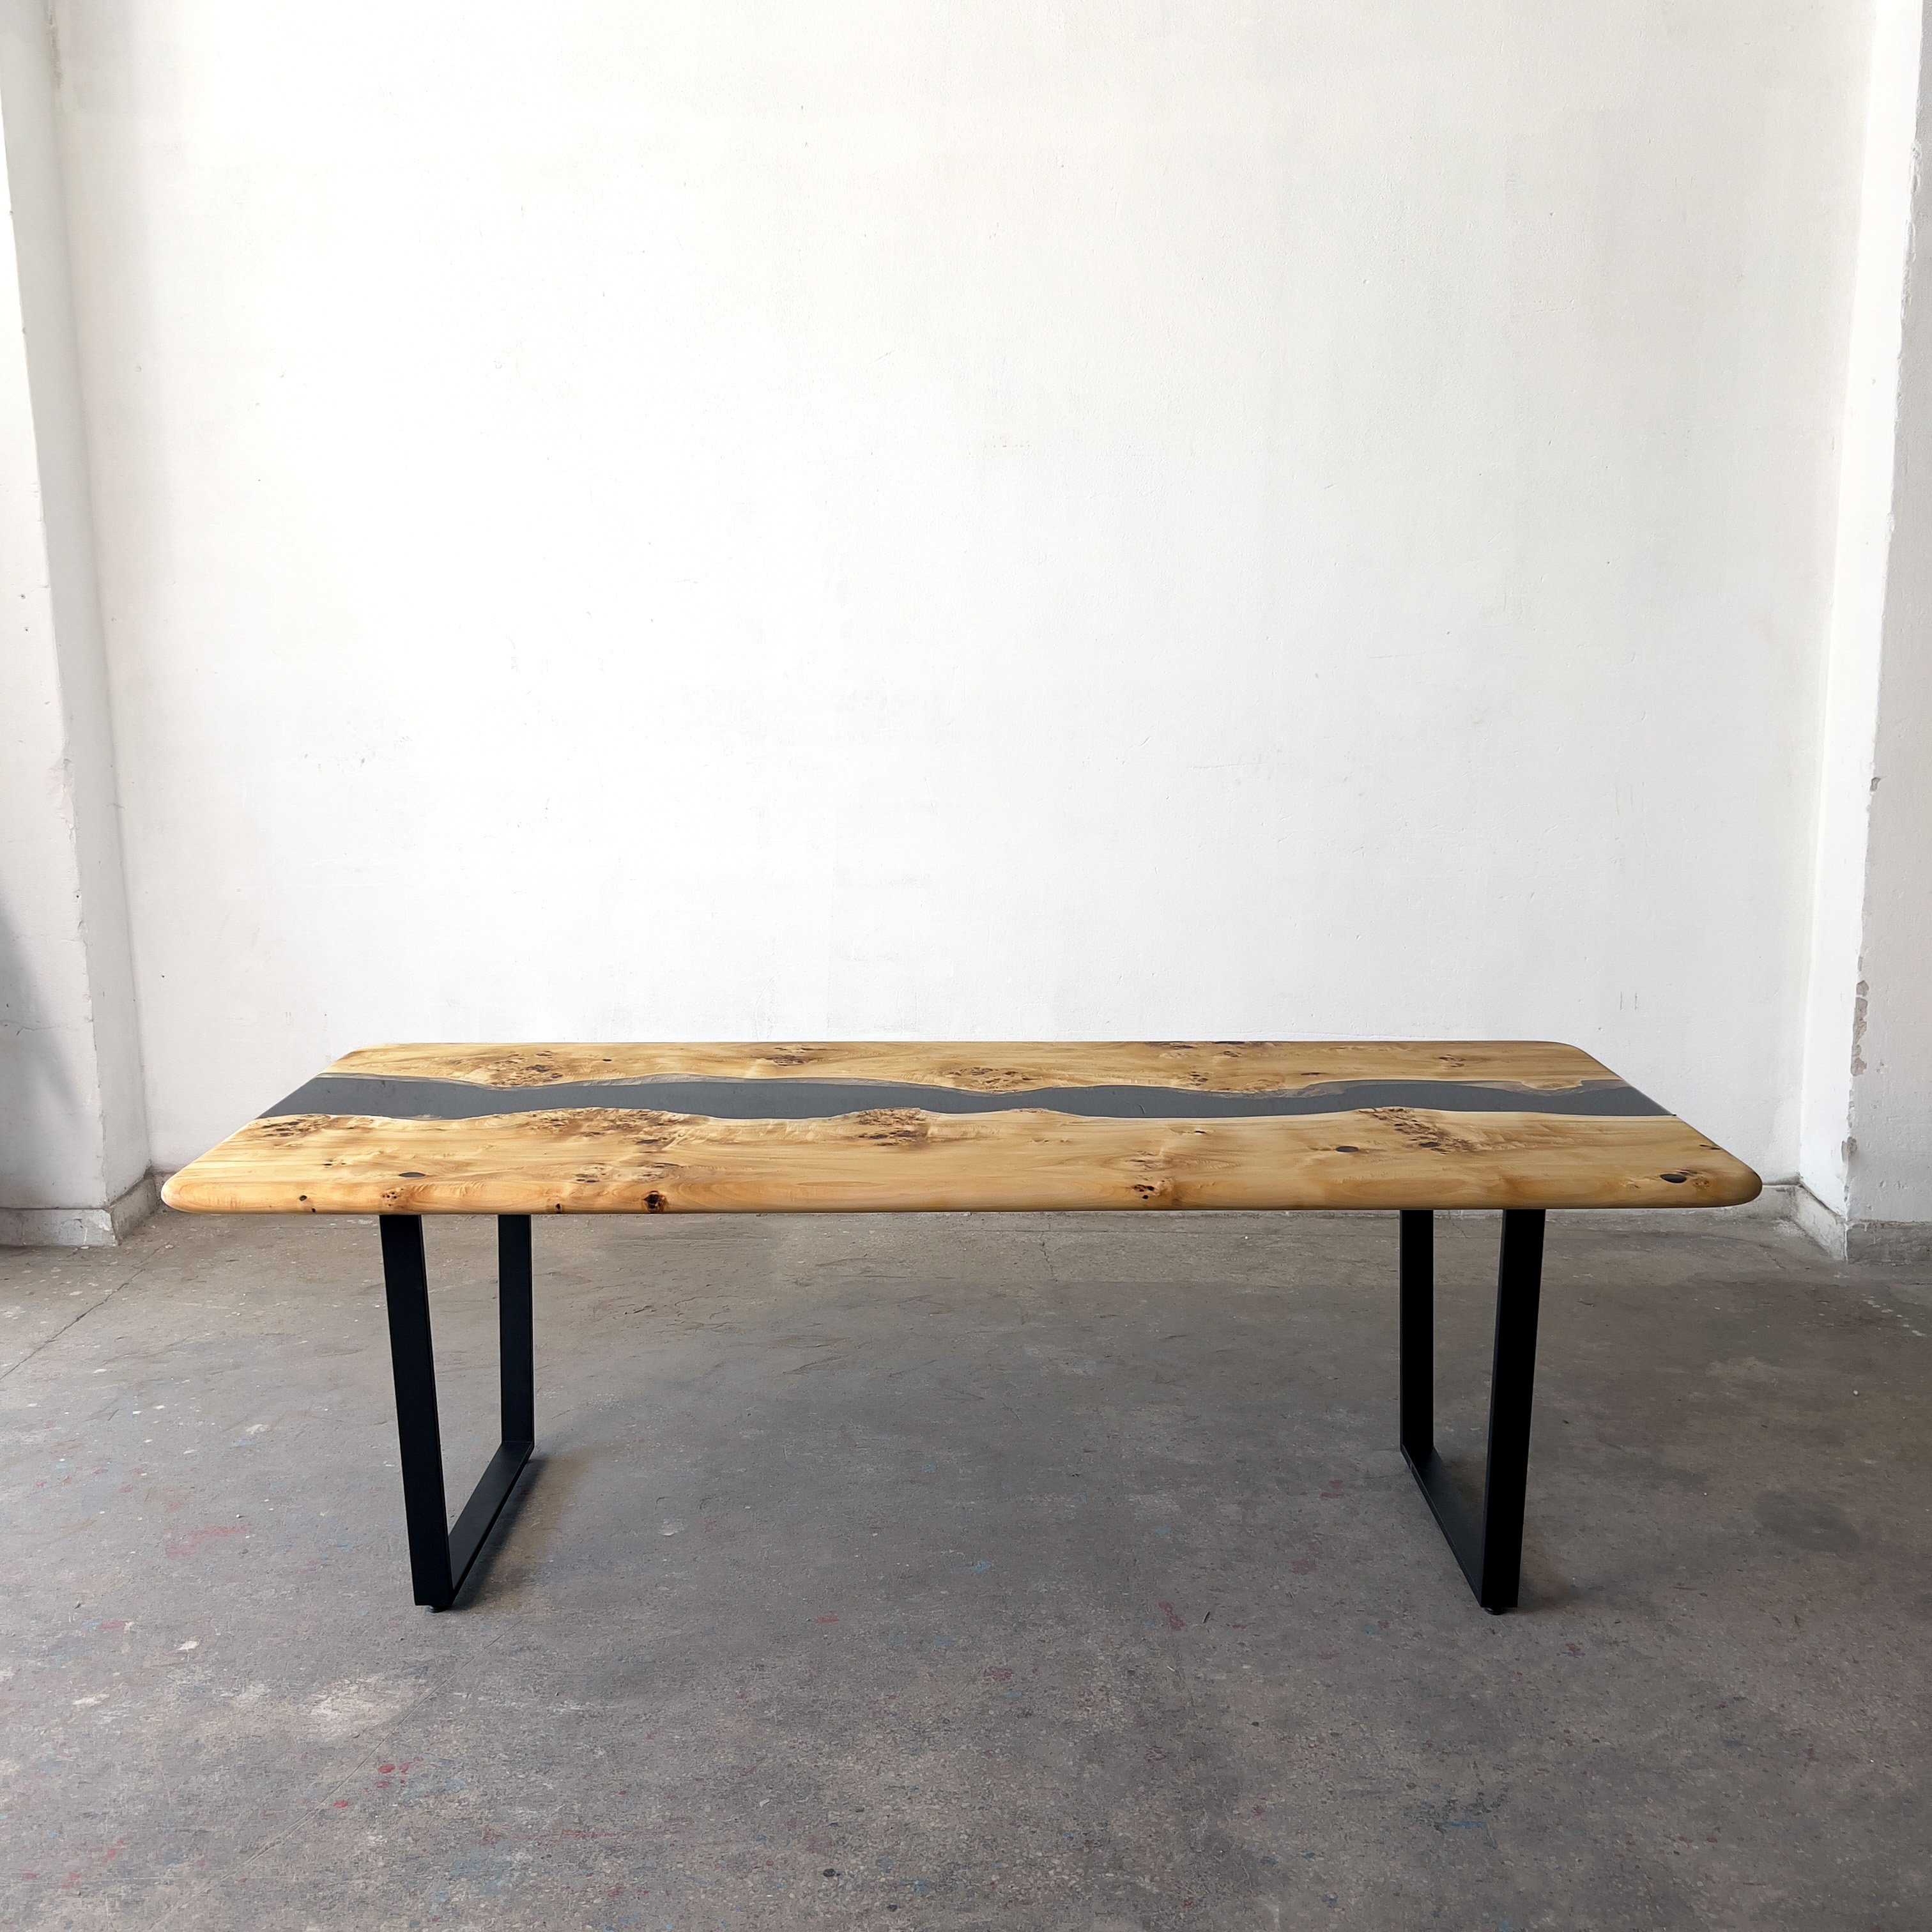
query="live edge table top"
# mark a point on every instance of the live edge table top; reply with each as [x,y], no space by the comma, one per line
[870,1126]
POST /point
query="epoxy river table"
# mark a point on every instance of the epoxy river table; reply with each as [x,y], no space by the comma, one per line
[401,1131]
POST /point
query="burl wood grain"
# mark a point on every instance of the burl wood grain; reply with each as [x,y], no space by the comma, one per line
[631,1160]
[999,1066]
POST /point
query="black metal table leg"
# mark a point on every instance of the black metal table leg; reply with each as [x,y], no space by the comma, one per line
[440,1557]
[1489,1549]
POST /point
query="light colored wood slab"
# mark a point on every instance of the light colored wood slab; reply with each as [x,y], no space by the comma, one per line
[999,1066]
[628,1160]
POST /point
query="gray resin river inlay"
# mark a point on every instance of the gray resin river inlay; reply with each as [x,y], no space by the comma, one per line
[386,1097]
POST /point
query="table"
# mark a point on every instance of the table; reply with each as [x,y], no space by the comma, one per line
[518,1131]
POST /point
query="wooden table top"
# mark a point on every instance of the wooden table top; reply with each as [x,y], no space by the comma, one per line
[882,1125]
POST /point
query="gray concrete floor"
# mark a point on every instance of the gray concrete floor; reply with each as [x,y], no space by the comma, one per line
[938,1572]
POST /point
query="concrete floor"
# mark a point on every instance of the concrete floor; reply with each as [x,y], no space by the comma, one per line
[938,1572]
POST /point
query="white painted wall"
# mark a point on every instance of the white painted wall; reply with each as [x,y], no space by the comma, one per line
[1890,1173]
[889,519]
[74,1132]
[1836,1008]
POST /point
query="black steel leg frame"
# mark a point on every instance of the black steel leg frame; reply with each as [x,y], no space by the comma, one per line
[1489,1549]
[441,1557]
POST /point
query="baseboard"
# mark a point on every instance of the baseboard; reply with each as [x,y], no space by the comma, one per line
[1824,1225]
[1788,1201]
[1774,1204]
[81,1227]
[1897,1244]
[1891,1244]
[1888,1243]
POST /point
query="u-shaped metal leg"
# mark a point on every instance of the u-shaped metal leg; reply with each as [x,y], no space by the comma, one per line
[440,1557]
[1489,1549]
